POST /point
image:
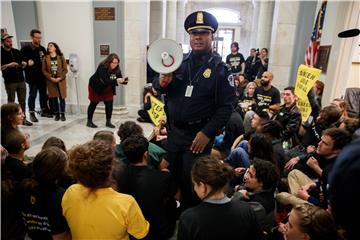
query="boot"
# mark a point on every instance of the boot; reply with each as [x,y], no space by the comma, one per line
[27,123]
[62,118]
[90,124]
[57,117]
[33,118]
[109,124]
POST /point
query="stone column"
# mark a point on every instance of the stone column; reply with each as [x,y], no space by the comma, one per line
[156,20]
[180,17]
[282,41]
[171,19]
[265,17]
[136,29]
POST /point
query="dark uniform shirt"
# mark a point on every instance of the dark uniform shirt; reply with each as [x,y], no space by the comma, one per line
[34,73]
[210,104]
[12,74]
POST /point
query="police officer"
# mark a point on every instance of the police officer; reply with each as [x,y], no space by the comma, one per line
[199,101]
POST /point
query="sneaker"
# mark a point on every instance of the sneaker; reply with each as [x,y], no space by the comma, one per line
[33,118]
[90,124]
[27,123]
[109,124]
[62,118]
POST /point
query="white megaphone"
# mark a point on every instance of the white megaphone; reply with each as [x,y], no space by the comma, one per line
[165,56]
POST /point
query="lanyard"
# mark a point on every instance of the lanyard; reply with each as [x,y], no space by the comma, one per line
[198,72]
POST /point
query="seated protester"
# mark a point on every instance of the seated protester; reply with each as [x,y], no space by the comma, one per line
[41,196]
[106,136]
[342,106]
[143,113]
[240,85]
[92,208]
[302,186]
[13,171]
[233,129]
[328,116]
[258,118]
[65,180]
[350,125]
[217,216]
[247,100]
[272,129]
[267,98]
[260,182]
[11,116]
[235,61]
[314,96]
[156,153]
[290,118]
[310,222]
[258,146]
[153,190]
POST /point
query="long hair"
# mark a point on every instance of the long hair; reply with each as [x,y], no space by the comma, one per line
[106,63]
[8,114]
[48,166]
[57,49]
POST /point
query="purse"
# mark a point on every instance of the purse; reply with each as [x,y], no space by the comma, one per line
[97,84]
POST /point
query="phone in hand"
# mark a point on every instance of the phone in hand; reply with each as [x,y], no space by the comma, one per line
[126,80]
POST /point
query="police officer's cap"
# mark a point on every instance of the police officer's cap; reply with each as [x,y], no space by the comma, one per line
[200,21]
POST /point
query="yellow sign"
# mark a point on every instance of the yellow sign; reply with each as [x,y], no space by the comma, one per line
[207,73]
[156,112]
[306,78]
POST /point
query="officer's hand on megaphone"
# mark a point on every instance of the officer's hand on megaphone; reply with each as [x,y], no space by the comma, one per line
[165,79]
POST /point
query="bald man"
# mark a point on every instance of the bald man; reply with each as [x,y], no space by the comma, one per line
[267,98]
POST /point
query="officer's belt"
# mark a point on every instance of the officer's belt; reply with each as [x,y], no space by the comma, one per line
[193,123]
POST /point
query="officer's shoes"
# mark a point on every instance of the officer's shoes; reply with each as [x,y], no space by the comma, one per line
[26,123]
[33,118]
[109,124]
[90,124]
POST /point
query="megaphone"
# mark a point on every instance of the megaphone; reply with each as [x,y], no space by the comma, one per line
[165,56]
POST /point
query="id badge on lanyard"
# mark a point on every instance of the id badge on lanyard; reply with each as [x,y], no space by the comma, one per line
[189,90]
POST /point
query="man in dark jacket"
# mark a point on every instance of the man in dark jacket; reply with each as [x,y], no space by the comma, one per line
[33,55]
[12,72]
[290,118]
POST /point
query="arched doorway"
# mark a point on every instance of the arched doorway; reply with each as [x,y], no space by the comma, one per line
[229,29]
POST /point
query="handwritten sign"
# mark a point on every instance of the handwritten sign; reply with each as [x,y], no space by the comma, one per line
[306,78]
[156,112]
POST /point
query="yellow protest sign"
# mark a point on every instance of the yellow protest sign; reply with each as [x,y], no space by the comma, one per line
[305,80]
[156,112]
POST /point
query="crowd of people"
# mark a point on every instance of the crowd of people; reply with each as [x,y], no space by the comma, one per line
[233,158]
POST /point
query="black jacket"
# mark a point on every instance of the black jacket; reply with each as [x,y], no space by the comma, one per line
[290,119]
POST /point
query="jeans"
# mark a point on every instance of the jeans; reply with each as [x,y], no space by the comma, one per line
[33,89]
[239,157]
[56,103]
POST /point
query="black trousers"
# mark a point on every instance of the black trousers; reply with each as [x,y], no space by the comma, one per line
[182,159]
[33,89]
[92,107]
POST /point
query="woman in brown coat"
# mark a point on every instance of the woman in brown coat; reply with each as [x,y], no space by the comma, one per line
[55,69]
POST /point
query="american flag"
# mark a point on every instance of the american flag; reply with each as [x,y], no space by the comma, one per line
[311,56]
